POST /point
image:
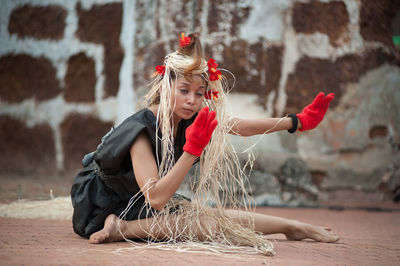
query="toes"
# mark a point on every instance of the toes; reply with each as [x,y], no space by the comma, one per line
[336,238]
[328,229]
[332,238]
[98,237]
[93,240]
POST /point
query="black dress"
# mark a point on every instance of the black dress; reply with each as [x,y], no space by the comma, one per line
[107,181]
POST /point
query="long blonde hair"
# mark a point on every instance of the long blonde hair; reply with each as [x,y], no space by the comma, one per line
[221,179]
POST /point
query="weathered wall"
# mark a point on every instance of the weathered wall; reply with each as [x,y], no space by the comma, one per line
[69,70]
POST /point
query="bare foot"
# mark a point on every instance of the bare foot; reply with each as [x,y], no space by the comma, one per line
[299,231]
[109,233]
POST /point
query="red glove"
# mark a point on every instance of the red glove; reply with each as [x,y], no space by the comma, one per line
[199,133]
[313,113]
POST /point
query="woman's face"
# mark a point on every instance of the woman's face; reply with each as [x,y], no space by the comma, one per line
[188,96]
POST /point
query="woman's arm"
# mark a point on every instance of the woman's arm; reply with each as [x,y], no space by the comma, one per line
[158,191]
[251,127]
[146,172]
[308,119]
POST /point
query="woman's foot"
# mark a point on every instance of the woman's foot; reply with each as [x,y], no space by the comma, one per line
[299,231]
[109,233]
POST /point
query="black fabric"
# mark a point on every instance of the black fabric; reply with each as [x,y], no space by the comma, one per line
[106,184]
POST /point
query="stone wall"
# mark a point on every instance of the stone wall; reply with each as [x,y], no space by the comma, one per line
[69,70]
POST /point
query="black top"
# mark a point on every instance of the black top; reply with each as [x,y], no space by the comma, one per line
[112,155]
[107,181]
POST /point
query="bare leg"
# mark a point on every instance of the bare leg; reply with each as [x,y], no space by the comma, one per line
[110,233]
[294,230]
[266,224]
[139,229]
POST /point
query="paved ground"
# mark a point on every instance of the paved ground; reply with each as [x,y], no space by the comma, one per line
[368,238]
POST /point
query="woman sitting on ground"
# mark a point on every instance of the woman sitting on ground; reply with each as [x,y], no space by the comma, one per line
[127,188]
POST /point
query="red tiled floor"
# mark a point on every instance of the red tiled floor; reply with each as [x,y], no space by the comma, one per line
[367,238]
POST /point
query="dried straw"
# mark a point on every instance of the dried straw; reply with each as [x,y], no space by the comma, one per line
[202,224]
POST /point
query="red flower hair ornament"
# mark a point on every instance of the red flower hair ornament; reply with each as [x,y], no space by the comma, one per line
[212,70]
[211,95]
[214,74]
[184,41]
[160,70]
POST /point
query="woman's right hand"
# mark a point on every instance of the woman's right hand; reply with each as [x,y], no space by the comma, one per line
[199,133]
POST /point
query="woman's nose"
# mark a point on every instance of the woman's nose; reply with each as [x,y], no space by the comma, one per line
[190,98]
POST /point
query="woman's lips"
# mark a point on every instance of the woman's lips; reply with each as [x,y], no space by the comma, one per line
[187,110]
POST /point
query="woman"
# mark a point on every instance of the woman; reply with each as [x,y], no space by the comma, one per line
[136,170]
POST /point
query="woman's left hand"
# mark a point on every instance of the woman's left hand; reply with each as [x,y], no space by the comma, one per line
[314,113]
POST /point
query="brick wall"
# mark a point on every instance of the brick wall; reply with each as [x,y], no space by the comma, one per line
[69,70]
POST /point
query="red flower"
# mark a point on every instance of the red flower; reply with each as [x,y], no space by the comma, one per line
[184,40]
[211,95]
[212,65]
[215,75]
[160,70]
[212,70]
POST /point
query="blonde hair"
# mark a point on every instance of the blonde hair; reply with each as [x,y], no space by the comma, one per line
[221,180]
